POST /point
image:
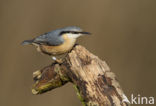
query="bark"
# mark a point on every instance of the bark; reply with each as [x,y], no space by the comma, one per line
[95,84]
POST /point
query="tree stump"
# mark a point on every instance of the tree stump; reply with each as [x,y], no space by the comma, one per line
[95,84]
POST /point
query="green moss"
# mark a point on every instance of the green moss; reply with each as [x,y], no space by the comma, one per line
[79,95]
[62,76]
[46,87]
[57,68]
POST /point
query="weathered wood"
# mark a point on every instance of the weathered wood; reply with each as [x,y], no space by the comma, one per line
[95,83]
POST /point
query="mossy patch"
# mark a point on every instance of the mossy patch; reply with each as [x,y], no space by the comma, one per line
[79,95]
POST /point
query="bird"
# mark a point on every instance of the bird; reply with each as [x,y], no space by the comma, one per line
[57,42]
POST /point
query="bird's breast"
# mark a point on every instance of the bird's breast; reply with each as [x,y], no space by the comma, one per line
[60,49]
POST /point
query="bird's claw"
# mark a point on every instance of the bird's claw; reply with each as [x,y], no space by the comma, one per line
[57,60]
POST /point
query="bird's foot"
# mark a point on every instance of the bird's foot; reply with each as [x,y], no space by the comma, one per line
[57,60]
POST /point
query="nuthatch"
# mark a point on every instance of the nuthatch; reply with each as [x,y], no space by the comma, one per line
[57,42]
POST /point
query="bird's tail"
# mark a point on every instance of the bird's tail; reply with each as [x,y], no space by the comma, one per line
[27,42]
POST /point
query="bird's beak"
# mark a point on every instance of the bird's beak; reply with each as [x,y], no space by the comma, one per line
[86,33]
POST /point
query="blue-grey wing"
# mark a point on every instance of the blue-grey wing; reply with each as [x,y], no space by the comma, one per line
[49,39]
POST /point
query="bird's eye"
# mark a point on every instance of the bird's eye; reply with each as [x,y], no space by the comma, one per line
[63,32]
[72,32]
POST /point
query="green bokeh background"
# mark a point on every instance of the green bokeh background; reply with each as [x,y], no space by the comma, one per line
[123,34]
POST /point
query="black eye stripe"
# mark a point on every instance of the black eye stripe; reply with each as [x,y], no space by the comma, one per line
[73,32]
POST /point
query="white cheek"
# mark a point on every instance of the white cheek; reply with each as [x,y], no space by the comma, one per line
[73,35]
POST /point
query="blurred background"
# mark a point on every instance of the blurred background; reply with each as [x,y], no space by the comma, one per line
[123,34]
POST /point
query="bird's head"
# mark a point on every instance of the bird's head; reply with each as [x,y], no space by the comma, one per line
[72,32]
